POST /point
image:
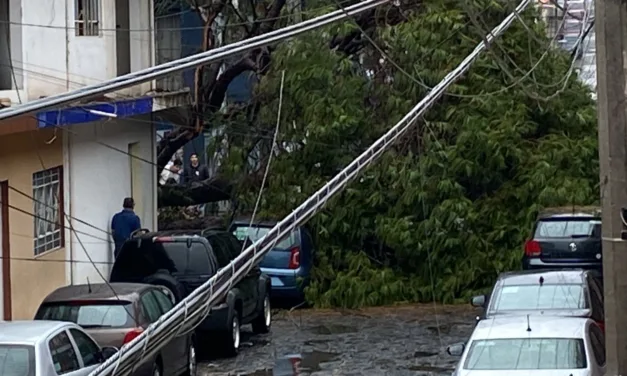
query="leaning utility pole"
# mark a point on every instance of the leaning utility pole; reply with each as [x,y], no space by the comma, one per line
[611,45]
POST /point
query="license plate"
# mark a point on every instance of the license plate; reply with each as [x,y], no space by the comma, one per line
[276,281]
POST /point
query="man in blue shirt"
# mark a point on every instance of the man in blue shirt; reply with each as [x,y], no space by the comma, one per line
[124,223]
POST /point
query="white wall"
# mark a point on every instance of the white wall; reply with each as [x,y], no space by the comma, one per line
[56,60]
[99,179]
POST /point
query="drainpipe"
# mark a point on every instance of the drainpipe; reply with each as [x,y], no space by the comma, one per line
[67,198]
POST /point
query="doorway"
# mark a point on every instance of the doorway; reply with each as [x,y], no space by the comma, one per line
[136,181]
[123,37]
[5,270]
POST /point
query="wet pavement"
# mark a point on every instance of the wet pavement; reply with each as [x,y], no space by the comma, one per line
[403,340]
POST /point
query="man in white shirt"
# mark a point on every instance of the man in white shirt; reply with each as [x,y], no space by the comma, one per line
[171,174]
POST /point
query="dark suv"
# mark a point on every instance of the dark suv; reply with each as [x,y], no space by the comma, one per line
[184,260]
[565,238]
[567,292]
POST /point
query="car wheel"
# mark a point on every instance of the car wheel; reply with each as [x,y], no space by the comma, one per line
[156,369]
[263,322]
[233,335]
[192,365]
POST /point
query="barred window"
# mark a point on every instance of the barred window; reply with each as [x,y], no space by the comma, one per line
[87,17]
[47,208]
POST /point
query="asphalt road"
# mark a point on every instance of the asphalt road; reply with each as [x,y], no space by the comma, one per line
[401,340]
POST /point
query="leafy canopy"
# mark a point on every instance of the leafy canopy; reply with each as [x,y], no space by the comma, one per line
[450,206]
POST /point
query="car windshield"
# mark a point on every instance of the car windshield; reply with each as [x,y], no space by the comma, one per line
[535,297]
[88,314]
[17,360]
[526,354]
[568,228]
[256,233]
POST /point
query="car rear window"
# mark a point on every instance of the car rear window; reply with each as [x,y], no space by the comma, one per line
[17,360]
[89,314]
[568,228]
[534,297]
[256,233]
[526,354]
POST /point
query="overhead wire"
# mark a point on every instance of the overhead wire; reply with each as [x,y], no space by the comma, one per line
[163,70]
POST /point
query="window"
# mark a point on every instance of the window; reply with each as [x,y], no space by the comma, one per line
[199,260]
[534,297]
[63,355]
[17,360]
[87,16]
[90,352]
[91,315]
[598,344]
[47,208]
[150,306]
[526,354]
[569,228]
[178,253]
[164,302]
[256,233]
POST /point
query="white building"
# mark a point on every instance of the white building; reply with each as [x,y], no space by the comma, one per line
[86,158]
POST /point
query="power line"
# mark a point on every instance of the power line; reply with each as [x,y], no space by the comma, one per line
[209,293]
[182,64]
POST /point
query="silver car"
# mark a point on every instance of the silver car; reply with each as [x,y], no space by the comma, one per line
[532,346]
[48,348]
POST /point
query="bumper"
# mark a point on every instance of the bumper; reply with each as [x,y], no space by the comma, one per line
[287,283]
[537,263]
[218,319]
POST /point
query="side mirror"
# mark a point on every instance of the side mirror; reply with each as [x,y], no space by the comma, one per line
[456,349]
[108,352]
[478,301]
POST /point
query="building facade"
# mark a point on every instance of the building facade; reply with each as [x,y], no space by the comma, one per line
[66,171]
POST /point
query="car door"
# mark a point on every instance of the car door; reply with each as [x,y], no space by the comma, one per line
[178,346]
[64,356]
[249,285]
[152,312]
[88,351]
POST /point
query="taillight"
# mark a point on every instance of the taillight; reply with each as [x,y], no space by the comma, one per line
[294,258]
[132,335]
[532,248]
[601,325]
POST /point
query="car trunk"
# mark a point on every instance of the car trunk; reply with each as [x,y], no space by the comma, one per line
[569,238]
[279,257]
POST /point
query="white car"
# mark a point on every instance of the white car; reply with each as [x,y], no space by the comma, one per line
[532,346]
[48,348]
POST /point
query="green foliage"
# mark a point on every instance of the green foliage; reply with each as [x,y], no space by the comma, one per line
[440,215]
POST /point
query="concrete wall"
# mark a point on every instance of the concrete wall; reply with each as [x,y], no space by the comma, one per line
[32,277]
[53,59]
[99,179]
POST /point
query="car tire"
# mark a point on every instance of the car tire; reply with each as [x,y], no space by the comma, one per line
[232,336]
[156,369]
[263,321]
[192,360]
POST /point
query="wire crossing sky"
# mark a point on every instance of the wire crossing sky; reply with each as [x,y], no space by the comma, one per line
[179,65]
[182,317]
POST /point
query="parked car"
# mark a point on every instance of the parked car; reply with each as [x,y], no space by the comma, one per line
[183,262]
[532,346]
[288,264]
[114,314]
[570,292]
[48,348]
[563,237]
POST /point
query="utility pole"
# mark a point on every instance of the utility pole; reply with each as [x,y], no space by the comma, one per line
[611,44]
